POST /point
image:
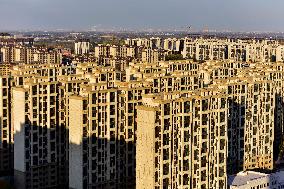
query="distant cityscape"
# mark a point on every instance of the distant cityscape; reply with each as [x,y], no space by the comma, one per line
[141,109]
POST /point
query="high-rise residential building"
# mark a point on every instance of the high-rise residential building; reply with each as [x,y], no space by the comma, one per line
[250,124]
[26,55]
[38,159]
[92,148]
[82,46]
[114,51]
[155,42]
[40,132]
[182,141]
[102,120]
[6,53]
[149,55]
[45,56]
[102,135]
[8,39]
[239,50]
[172,44]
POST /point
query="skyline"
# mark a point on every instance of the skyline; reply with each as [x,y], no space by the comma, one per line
[134,15]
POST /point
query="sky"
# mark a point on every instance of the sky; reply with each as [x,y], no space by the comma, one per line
[232,15]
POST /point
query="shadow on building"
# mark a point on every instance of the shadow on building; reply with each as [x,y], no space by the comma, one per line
[101,163]
[6,156]
[6,161]
[40,157]
[45,159]
[278,144]
[236,124]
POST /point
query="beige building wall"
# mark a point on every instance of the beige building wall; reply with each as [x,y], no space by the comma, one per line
[145,150]
[18,123]
[75,142]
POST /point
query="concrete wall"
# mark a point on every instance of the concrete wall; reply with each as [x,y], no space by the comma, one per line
[18,120]
[145,150]
[75,143]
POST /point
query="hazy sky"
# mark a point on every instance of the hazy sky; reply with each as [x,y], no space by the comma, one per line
[236,15]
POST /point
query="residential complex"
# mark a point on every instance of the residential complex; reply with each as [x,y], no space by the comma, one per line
[120,116]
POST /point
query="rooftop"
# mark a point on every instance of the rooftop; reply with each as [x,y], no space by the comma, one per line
[243,178]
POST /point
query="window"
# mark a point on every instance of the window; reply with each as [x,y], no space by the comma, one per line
[204,119]
[186,107]
[222,116]
[167,109]
[204,133]
[204,105]
[166,169]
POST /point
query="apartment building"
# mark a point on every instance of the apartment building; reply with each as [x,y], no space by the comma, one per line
[251,105]
[173,44]
[20,54]
[47,56]
[182,141]
[92,128]
[149,55]
[274,72]
[129,97]
[238,50]
[251,124]
[120,51]
[37,161]
[107,131]
[82,46]
[7,39]
[24,54]
[155,42]
[40,132]
[130,53]
[139,42]
[7,54]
